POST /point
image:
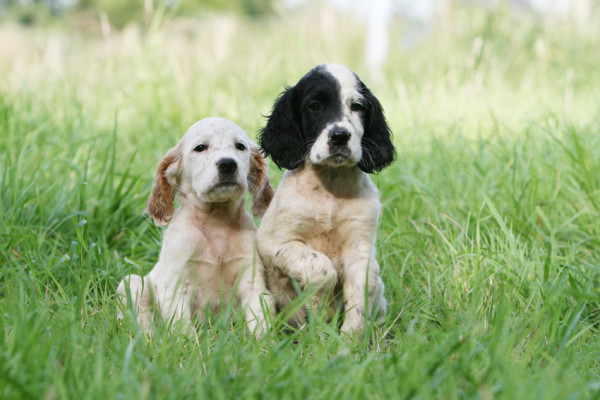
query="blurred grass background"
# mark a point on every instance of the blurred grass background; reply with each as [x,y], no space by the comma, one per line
[489,240]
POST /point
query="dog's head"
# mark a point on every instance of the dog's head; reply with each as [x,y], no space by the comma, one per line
[329,118]
[216,162]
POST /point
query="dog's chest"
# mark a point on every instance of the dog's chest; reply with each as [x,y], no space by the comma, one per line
[324,211]
[214,283]
[219,247]
[327,224]
[219,259]
[326,221]
[330,214]
[327,207]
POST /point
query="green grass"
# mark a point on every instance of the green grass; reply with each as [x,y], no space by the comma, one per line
[489,240]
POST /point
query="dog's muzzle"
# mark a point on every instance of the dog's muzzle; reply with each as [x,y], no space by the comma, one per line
[227,179]
[338,145]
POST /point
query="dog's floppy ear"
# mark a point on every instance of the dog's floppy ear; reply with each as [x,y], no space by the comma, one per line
[258,183]
[378,150]
[160,203]
[282,137]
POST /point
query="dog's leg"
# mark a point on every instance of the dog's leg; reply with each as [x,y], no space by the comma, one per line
[363,289]
[256,301]
[136,289]
[174,299]
[282,290]
[310,268]
[257,305]
[379,306]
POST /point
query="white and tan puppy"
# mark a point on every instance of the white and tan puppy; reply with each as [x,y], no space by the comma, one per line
[329,132]
[207,249]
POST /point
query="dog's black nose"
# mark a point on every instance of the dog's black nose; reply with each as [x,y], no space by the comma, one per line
[226,165]
[339,136]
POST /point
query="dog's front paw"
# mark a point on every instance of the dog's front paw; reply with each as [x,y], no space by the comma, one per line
[319,273]
[354,320]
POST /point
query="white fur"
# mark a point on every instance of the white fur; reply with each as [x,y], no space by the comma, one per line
[320,230]
[349,120]
[207,250]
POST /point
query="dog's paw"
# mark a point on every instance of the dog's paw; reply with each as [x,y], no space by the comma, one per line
[354,320]
[319,273]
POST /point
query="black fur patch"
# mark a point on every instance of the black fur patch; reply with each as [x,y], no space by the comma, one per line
[293,126]
[377,146]
[301,113]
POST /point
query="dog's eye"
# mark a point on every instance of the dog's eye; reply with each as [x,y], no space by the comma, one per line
[356,106]
[200,147]
[314,106]
[240,146]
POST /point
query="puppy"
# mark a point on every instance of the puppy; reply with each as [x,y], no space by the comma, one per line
[329,132]
[207,249]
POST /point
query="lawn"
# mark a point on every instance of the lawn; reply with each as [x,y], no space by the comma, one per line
[489,239]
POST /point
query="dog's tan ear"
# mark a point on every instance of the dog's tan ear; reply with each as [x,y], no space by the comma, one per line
[160,203]
[258,183]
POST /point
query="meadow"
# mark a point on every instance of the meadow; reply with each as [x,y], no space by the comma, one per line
[489,239]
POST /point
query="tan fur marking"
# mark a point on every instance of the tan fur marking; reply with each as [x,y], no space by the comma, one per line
[160,202]
[258,182]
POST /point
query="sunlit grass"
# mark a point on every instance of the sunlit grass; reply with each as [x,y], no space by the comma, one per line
[489,239]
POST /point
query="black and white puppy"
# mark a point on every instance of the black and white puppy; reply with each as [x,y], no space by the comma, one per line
[329,132]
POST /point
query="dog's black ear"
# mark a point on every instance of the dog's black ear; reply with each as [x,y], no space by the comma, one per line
[378,149]
[282,138]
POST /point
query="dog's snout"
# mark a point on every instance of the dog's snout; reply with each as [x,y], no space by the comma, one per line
[339,136]
[226,165]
